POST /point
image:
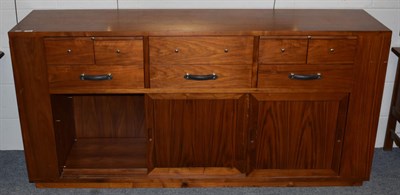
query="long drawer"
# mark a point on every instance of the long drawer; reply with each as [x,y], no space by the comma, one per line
[231,50]
[306,76]
[95,77]
[200,76]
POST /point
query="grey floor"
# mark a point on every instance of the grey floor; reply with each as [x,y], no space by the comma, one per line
[385,179]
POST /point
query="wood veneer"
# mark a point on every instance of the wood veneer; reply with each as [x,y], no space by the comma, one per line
[150,127]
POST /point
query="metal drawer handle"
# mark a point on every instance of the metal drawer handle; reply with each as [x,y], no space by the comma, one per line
[212,76]
[96,77]
[305,76]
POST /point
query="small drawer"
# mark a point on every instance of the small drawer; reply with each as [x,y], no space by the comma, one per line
[201,50]
[283,50]
[128,51]
[200,76]
[69,50]
[306,77]
[332,51]
[95,77]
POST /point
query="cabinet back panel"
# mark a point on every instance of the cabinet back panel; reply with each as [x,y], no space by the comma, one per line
[109,116]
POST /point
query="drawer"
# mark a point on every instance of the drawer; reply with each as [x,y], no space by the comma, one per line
[305,77]
[283,50]
[237,50]
[128,51]
[69,50]
[332,51]
[69,77]
[174,76]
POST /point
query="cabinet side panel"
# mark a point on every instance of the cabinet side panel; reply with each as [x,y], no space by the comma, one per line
[34,106]
[64,126]
[364,105]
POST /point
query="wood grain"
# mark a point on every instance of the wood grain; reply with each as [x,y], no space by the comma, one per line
[332,51]
[238,76]
[283,50]
[64,126]
[199,135]
[69,50]
[111,116]
[235,50]
[366,97]
[153,22]
[196,133]
[332,76]
[107,153]
[68,77]
[121,51]
[34,106]
[307,142]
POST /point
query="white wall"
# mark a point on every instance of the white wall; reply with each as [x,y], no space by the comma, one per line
[387,11]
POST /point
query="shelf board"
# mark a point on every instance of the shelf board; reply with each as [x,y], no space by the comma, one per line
[107,153]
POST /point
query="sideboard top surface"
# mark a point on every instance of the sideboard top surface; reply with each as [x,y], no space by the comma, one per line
[197,22]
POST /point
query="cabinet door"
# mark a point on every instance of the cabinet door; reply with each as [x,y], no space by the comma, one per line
[202,133]
[297,134]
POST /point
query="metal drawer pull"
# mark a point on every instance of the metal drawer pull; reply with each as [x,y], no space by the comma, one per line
[283,50]
[96,77]
[69,51]
[226,50]
[305,76]
[177,50]
[212,76]
[118,51]
[332,50]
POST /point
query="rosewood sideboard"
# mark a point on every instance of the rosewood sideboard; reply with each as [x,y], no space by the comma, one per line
[199,98]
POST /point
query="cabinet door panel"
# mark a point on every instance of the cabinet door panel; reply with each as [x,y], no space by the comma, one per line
[193,132]
[302,133]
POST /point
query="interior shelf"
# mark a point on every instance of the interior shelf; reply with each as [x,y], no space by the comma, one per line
[107,153]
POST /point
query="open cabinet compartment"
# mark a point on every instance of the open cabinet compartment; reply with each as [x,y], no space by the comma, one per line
[100,133]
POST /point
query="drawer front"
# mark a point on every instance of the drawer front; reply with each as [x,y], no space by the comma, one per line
[283,51]
[69,50]
[225,76]
[119,51]
[305,77]
[201,50]
[332,51]
[69,77]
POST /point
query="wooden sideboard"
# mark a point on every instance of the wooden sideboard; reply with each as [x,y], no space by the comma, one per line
[199,98]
